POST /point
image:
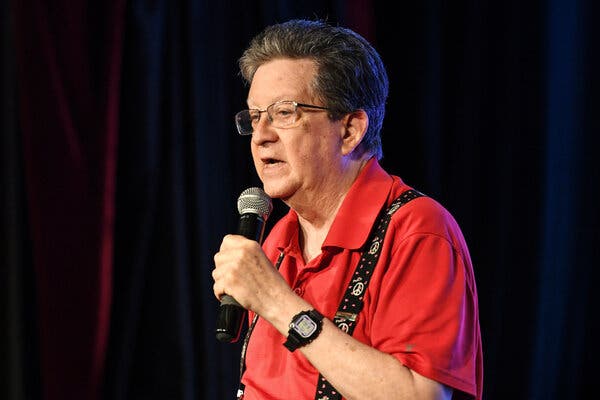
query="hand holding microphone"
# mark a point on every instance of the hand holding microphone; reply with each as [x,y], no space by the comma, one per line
[254,207]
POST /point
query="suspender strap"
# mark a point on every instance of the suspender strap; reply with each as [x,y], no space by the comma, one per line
[352,303]
[241,387]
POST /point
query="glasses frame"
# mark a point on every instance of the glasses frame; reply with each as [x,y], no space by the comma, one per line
[266,110]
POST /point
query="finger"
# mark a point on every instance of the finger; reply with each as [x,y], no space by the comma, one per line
[218,291]
[229,241]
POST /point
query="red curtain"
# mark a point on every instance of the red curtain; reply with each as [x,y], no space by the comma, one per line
[69,65]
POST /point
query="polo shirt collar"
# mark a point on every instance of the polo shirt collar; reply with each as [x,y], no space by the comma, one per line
[356,216]
[360,207]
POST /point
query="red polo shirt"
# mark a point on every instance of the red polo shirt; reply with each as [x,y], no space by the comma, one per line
[420,306]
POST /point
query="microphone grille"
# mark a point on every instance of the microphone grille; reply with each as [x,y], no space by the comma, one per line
[255,200]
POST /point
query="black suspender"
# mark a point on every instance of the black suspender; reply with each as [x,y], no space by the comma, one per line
[240,392]
[352,303]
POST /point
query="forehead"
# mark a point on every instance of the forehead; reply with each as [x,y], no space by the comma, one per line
[282,79]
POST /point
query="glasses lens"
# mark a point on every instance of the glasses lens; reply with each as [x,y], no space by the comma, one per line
[243,122]
[283,114]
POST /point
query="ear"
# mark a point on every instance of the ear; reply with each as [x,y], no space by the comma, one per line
[355,126]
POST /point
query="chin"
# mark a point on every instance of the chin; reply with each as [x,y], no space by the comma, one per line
[272,192]
[276,191]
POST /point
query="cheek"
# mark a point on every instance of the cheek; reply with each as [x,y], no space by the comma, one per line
[254,152]
[303,150]
[312,161]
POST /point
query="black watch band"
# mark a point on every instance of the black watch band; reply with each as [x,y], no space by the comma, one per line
[304,328]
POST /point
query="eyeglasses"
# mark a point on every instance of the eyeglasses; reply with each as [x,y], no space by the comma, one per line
[282,114]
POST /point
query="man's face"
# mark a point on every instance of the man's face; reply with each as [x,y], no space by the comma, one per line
[299,163]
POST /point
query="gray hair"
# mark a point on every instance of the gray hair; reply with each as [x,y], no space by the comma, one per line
[350,73]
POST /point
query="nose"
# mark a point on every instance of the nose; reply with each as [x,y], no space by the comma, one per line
[263,131]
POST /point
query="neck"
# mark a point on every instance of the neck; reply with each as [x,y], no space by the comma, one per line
[317,213]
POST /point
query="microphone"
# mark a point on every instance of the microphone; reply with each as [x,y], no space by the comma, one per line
[254,206]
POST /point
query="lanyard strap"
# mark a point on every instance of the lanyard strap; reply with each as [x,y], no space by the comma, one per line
[352,303]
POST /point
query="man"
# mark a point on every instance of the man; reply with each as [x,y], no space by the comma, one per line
[316,104]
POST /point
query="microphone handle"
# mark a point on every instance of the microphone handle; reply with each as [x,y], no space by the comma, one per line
[229,320]
[231,314]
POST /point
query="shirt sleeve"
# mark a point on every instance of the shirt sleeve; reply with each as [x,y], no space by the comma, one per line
[425,310]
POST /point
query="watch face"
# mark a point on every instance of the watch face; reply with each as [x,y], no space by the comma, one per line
[305,326]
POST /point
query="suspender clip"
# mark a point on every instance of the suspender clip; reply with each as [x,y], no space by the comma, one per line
[345,316]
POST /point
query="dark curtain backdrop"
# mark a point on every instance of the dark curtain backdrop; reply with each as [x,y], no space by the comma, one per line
[121,170]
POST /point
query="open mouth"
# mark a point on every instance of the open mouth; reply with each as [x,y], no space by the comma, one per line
[271,161]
